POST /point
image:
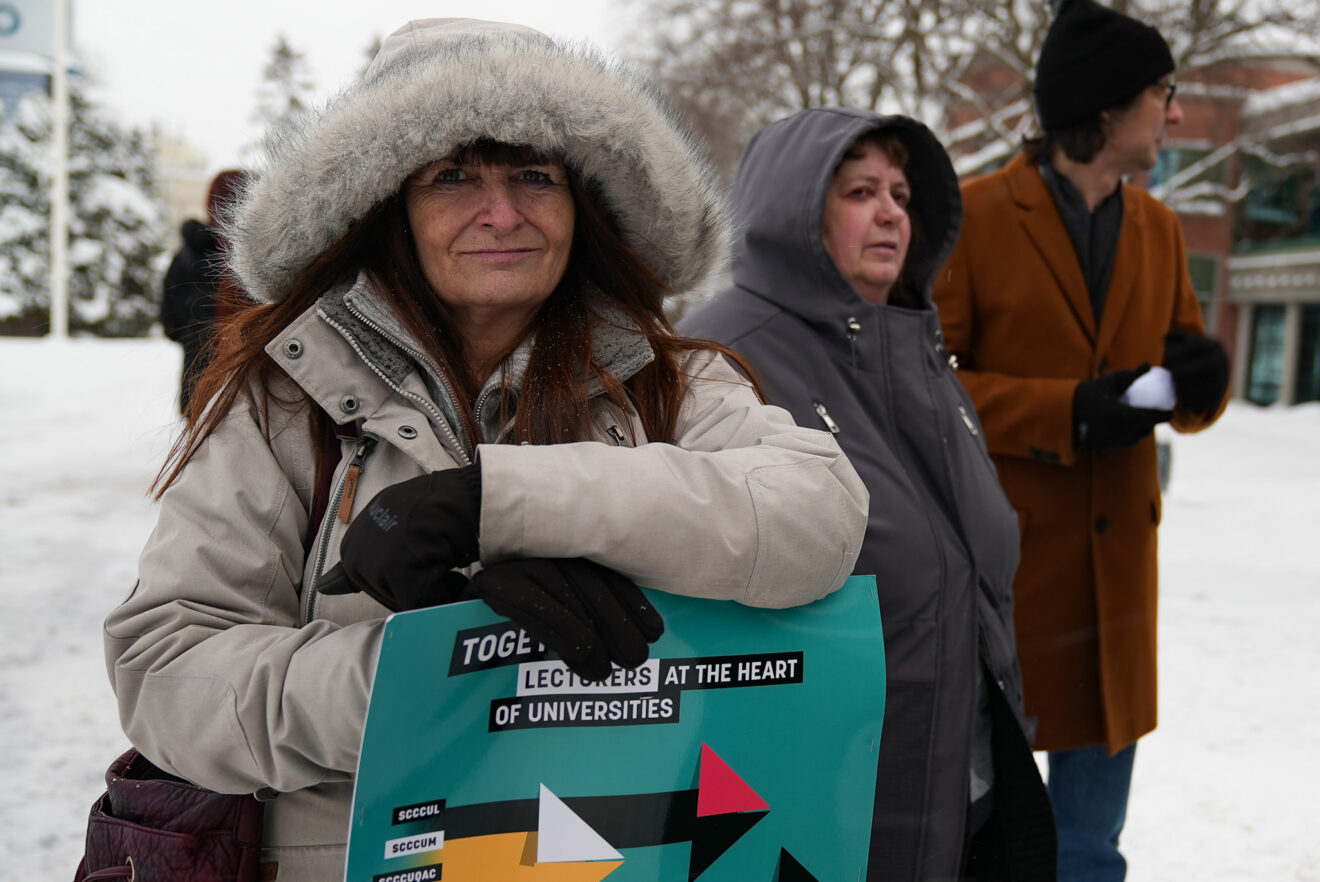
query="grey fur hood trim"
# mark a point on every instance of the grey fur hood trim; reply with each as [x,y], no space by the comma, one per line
[438,84]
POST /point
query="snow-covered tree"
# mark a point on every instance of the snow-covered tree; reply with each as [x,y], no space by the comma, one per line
[116,227]
[286,86]
[24,218]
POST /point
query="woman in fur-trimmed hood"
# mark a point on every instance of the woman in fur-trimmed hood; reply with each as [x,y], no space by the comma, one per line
[450,389]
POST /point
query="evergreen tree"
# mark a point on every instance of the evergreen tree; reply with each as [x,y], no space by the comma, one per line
[116,225]
[24,218]
[287,86]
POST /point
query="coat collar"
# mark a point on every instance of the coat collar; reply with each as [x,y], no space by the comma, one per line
[1045,228]
[350,328]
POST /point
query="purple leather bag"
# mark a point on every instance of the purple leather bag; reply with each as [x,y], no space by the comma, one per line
[150,826]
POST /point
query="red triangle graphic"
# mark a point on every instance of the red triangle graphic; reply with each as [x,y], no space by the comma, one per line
[720,791]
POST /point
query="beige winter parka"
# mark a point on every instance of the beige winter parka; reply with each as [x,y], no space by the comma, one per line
[233,672]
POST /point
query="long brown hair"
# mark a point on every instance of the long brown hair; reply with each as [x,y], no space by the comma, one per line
[553,401]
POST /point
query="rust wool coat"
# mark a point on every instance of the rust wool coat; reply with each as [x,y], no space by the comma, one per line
[1016,313]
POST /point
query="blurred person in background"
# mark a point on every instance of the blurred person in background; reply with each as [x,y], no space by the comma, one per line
[198,293]
[844,218]
[1066,287]
[460,268]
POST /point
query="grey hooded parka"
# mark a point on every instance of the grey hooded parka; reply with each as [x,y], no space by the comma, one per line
[942,538]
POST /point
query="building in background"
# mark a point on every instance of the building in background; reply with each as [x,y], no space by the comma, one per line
[20,76]
[1272,285]
[182,180]
[27,32]
[1242,171]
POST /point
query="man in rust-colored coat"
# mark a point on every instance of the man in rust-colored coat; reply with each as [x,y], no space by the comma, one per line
[1064,288]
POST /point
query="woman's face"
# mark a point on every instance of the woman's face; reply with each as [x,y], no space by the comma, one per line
[493,238]
[867,230]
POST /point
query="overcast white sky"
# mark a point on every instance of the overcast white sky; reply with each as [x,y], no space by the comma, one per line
[194,68]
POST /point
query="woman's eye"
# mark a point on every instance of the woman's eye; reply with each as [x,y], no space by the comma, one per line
[449,176]
[901,198]
[533,176]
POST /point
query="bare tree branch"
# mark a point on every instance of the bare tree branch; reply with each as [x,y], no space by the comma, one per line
[964,67]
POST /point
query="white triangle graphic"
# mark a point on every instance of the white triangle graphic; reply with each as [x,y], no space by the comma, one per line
[563,837]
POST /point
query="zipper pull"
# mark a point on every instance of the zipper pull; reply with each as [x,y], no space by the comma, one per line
[617,434]
[948,356]
[826,418]
[967,420]
[854,328]
[351,477]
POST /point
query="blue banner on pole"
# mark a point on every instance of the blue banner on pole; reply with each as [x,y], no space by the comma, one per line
[743,750]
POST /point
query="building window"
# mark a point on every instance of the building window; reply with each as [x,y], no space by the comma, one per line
[14,87]
[1204,271]
[1175,159]
[1266,370]
[1308,360]
[1282,205]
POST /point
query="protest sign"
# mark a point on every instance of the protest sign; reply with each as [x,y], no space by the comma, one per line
[743,750]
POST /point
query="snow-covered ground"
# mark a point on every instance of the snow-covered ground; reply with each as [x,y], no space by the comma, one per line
[1225,789]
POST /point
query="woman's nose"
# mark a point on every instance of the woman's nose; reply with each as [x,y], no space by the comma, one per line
[498,209]
[888,211]
[1173,114]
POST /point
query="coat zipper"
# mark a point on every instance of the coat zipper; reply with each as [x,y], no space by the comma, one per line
[341,504]
[854,328]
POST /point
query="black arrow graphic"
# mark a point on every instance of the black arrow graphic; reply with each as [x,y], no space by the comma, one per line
[627,821]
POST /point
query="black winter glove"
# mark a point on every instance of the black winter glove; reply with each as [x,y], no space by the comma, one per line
[1102,422]
[402,548]
[1199,367]
[588,614]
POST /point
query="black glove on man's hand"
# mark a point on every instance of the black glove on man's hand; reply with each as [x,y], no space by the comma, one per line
[402,547]
[1199,367]
[1102,422]
[588,614]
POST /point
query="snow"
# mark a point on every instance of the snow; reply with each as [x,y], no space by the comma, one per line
[1223,790]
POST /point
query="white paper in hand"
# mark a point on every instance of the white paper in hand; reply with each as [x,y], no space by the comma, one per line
[1153,389]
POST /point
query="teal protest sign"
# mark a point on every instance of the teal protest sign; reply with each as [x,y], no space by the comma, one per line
[743,750]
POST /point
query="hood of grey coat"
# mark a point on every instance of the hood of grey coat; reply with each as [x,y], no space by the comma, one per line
[439,84]
[779,203]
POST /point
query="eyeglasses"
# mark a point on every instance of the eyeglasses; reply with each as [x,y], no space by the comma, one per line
[1171,89]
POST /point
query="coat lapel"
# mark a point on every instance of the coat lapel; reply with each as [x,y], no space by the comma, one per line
[1123,277]
[1040,218]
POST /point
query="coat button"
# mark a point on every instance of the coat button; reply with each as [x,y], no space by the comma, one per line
[293,348]
[349,404]
[1101,524]
[407,433]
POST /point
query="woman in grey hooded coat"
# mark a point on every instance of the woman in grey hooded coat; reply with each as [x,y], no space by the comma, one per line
[460,266]
[838,323]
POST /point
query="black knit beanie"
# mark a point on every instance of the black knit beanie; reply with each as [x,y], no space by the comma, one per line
[1094,58]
